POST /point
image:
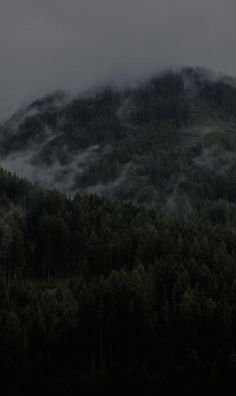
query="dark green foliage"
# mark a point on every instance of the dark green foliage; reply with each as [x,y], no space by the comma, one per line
[135,294]
[162,99]
[97,294]
[222,95]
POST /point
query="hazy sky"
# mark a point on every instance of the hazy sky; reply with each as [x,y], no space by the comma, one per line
[73,44]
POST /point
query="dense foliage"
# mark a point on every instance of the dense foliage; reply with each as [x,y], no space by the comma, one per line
[138,292]
[168,142]
[97,294]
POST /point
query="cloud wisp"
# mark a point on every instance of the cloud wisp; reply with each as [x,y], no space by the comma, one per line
[74,45]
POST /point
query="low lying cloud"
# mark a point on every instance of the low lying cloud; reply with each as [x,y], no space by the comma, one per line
[26,164]
[73,45]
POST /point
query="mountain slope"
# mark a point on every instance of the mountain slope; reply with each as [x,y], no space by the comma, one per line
[168,142]
[100,295]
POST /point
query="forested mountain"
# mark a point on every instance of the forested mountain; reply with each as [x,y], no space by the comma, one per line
[168,142]
[133,293]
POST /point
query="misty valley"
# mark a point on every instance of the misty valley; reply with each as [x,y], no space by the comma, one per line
[118,238]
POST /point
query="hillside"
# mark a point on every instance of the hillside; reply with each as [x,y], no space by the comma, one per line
[98,294]
[134,286]
[168,142]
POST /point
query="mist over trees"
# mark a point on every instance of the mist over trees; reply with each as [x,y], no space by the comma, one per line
[143,142]
[135,292]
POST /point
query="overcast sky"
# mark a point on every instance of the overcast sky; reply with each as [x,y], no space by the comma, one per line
[74,44]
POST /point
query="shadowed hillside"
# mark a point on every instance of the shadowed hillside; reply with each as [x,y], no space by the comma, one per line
[168,142]
[126,278]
